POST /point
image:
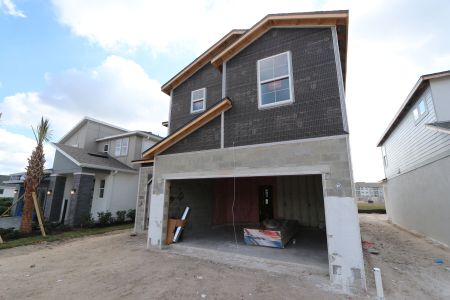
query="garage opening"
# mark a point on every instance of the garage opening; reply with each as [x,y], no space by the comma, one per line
[223,209]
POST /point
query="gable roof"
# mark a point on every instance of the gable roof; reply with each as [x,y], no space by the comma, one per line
[440,126]
[236,40]
[95,160]
[202,60]
[84,121]
[418,88]
[185,130]
[144,134]
[338,18]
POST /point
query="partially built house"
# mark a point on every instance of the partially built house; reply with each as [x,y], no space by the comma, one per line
[258,135]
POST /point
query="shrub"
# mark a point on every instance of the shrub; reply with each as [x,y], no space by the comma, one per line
[104,218]
[121,215]
[86,220]
[131,214]
[9,234]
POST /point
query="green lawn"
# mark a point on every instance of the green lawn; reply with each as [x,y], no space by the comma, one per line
[63,236]
[364,206]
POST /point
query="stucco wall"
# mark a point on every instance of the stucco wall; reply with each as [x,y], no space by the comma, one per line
[419,200]
[123,192]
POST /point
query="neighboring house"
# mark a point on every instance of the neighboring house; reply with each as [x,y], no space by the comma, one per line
[16,181]
[92,171]
[6,190]
[416,157]
[258,129]
[369,191]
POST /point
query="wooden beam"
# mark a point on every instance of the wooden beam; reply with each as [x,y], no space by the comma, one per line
[38,210]
[190,127]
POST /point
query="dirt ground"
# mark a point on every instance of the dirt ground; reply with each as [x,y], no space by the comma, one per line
[407,262]
[118,266]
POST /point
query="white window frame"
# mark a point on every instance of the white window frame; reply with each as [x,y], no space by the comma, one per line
[121,147]
[420,116]
[196,100]
[101,190]
[385,159]
[291,86]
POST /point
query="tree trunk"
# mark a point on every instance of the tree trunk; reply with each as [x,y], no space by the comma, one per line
[27,212]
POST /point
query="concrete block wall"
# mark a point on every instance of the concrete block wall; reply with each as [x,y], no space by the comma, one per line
[54,201]
[80,203]
[198,195]
[140,223]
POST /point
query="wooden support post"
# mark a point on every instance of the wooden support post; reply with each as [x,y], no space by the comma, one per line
[38,210]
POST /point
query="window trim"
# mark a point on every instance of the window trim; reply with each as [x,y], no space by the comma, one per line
[101,190]
[291,80]
[421,116]
[105,148]
[196,100]
[119,142]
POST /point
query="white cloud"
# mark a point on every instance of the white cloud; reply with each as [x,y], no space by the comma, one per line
[118,92]
[15,149]
[9,8]
[391,43]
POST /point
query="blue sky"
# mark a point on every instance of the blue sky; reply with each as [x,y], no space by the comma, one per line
[66,59]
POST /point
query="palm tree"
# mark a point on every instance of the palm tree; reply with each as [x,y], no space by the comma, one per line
[35,172]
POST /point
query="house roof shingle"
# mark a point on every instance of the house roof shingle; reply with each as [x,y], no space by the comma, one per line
[88,159]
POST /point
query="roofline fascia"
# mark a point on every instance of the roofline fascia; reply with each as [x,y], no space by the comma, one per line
[66,155]
[85,120]
[269,18]
[107,168]
[135,132]
[422,80]
[166,87]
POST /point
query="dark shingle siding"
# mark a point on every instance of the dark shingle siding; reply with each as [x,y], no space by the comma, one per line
[316,111]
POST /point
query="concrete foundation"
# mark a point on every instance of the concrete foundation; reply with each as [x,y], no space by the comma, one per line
[327,157]
[419,200]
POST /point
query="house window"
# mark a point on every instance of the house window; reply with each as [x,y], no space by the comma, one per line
[101,189]
[275,80]
[105,148]
[420,110]
[121,147]
[2,191]
[198,99]
[383,151]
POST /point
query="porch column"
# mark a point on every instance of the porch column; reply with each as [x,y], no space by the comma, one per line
[81,200]
[54,201]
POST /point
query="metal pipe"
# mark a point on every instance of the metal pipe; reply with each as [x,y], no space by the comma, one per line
[378,283]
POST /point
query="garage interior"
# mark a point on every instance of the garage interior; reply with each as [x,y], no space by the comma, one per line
[221,208]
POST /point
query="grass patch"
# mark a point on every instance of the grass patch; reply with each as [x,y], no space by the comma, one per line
[364,207]
[63,236]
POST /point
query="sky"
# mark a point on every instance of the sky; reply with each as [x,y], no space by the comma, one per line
[66,59]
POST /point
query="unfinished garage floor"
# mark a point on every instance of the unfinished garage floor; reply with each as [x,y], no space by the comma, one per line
[310,247]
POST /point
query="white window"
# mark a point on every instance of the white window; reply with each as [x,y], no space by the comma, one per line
[101,192]
[198,100]
[105,148]
[121,147]
[275,80]
[419,110]
[383,151]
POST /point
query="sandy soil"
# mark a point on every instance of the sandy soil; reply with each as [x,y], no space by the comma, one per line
[407,262]
[118,266]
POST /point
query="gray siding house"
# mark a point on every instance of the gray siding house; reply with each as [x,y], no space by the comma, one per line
[257,131]
[416,157]
[92,171]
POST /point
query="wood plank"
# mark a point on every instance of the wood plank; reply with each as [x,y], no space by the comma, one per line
[38,210]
